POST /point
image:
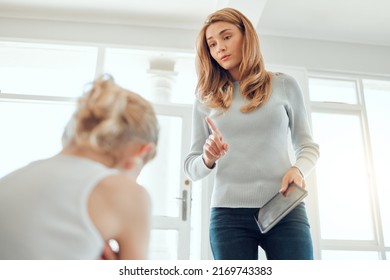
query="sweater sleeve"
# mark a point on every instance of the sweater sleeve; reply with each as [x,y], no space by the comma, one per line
[194,166]
[306,151]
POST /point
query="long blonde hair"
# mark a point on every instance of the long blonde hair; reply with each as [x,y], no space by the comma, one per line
[215,85]
[108,117]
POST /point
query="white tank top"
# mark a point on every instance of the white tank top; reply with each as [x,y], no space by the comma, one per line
[44,212]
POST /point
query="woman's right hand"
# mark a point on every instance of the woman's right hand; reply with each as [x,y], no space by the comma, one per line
[108,253]
[214,147]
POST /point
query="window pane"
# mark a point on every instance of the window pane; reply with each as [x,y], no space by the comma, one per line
[342,178]
[349,255]
[377,97]
[50,70]
[324,90]
[175,82]
[30,131]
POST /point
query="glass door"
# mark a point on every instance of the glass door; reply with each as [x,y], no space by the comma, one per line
[169,190]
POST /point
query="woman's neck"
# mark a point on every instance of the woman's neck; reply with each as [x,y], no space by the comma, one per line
[235,74]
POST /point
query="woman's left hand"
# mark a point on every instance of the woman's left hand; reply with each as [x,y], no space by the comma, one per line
[293,175]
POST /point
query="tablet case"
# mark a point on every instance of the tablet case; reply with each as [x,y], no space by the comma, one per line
[279,206]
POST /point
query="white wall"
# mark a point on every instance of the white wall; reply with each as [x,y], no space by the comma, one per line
[98,33]
[326,55]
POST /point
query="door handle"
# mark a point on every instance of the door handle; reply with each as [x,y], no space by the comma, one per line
[184,207]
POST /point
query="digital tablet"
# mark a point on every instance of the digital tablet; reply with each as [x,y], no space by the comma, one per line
[279,206]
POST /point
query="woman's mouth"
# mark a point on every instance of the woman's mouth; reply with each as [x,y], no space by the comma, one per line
[225,57]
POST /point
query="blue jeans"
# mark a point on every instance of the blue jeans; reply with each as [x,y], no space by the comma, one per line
[234,235]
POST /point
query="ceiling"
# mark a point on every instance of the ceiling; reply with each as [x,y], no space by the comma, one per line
[363,21]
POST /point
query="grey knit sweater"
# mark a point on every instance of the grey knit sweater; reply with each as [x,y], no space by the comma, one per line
[251,171]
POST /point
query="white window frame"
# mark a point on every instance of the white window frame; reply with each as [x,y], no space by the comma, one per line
[359,109]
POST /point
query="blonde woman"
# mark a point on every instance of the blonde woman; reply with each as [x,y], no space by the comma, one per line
[241,121]
[70,205]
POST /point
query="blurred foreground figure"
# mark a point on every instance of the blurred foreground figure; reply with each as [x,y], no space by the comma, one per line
[70,205]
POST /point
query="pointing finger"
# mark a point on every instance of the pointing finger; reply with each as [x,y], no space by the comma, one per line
[216,135]
[213,127]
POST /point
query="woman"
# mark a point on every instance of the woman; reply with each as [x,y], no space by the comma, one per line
[70,205]
[241,121]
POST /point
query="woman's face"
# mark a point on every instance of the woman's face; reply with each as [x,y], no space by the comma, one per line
[225,44]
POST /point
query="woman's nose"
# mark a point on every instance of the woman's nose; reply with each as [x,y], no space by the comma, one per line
[221,47]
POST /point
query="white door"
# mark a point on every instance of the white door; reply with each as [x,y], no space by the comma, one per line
[170,191]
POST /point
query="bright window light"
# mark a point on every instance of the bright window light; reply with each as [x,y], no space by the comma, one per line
[377,97]
[343,191]
[43,69]
[340,91]
[30,131]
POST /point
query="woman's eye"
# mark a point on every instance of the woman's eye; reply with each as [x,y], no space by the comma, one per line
[212,45]
[227,37]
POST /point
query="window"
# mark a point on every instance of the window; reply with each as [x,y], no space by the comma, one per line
[342,91]
[349,123]
[38,87]
[44,69]
[30,131]
[342,177]
[377,99]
